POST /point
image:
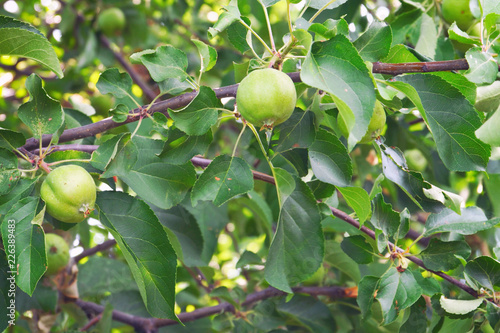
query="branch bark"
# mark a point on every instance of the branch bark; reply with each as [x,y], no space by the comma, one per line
[151,324]
[181,101]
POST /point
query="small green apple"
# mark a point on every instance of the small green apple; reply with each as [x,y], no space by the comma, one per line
[57,251]
[377,122]
[111,21]
[69,193]
[266,97]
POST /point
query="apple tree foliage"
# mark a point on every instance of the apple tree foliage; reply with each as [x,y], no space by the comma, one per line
[205,220]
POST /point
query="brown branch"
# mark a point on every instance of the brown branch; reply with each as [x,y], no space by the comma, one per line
[345,217]
[93,250]
[150,94]
[181,101]
[420,67]
[139,323]
[91,322]
[151,324]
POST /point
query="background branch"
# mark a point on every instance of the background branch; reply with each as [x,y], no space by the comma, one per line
[150,94]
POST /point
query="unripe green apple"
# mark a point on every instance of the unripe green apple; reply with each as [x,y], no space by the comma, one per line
[111,21]
[57,252]
[266,97]
[69,193]
[415,160]
[457,11]
[377,122]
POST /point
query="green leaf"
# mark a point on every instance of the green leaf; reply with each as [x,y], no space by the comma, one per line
[329,29]
[166,62]
[42,114]
[397,291]
[488,132]
[358,199]
[412,183]
[237,35]
[336,257]
[384,217]
[452,121]
[24,243]
[367,288]
[489,6]
[9,172]
[230,15]
[460,307]
[118,84]
[319,4]
[120,113]
[297,131]
[116,155]
[297,249]
[330,160]
[488,97]
[485,270]
[248,258]
[442,256]
[375,43]
[208,55]
[10,139]
[417,320]
[147,249]
[114,276]
[211,220]
[399,54]
[358,249]
[21,190]
[180,147]
[469,222]
[336,67]
[483,68]
[199,115]
[162,184]
[467,88]
[225,178]
[187,231]
[310,312]
[21,39]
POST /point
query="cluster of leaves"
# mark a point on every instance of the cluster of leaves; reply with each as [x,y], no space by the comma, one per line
[205,210]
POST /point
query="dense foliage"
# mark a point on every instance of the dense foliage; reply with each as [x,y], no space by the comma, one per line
[330,221]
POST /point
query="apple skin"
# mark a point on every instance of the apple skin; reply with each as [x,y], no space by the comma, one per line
[457,11]
[111,21]
[266,97]
[377,122]
[57,251]
[69,193]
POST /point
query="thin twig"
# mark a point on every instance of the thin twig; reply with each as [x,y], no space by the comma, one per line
[93,250]
[151,324]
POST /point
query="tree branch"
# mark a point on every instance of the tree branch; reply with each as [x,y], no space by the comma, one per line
[181,101]
[345,217]
[151,324]
[150,94]
[93,250]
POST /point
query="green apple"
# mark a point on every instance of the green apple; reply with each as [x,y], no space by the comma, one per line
[57,252]
[69,193]
[457,11]
[377,122]
[111,21]
[266,97]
